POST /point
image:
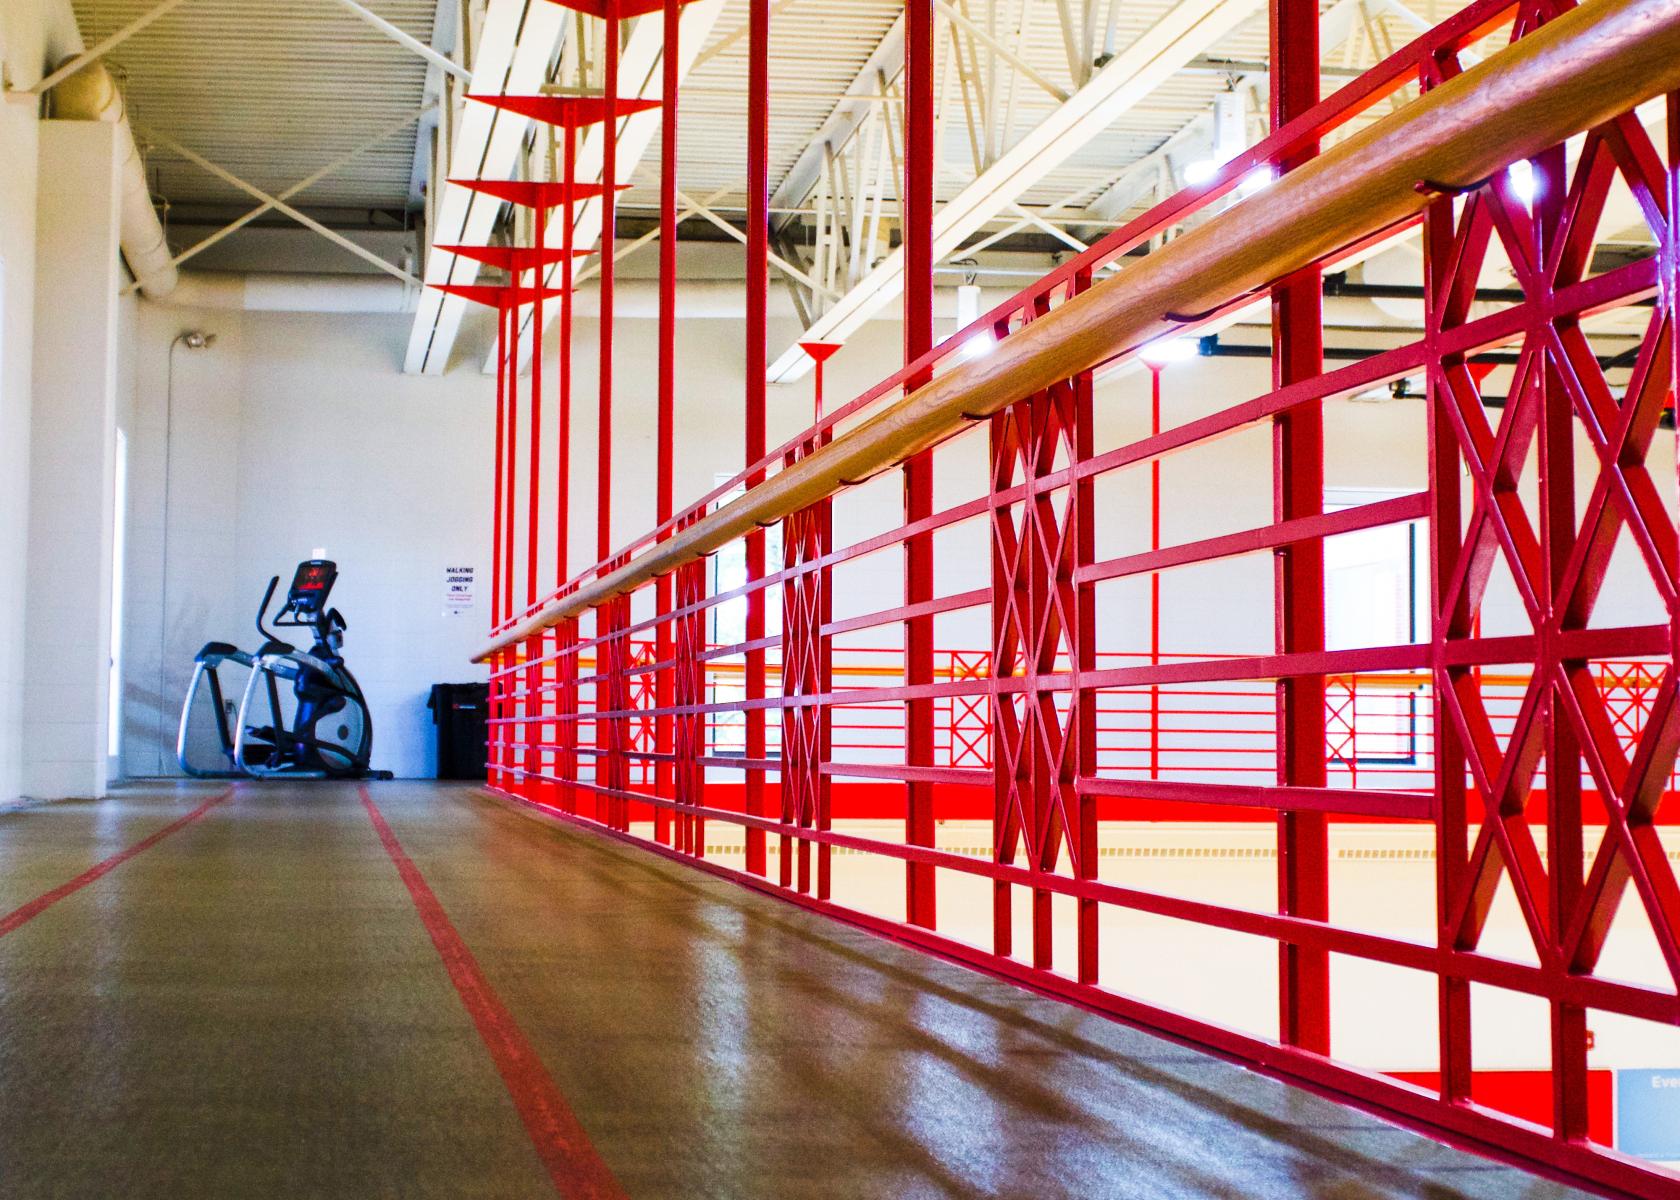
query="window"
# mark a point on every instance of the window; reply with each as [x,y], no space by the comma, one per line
[119,531]
[1372,593]
[726,731]
[729,572]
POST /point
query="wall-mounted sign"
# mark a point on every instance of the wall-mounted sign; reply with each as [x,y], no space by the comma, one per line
[457,590]
[1648,1113]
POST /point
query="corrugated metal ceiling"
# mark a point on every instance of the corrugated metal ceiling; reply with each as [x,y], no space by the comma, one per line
[271,90]
[819,46]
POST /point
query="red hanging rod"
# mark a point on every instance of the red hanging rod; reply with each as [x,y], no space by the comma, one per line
[513,258]
[614,8]
[568,112]
[537,193]
[495,295]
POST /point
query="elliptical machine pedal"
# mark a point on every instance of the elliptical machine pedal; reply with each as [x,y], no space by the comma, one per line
[321,730]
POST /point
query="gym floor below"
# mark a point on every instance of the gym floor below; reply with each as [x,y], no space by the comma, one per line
[411,989]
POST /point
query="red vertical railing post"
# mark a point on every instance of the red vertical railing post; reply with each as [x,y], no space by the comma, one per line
[565,634]
[1002,451]
[822,615]
[1043,619]
[1298,491]
[1079,761]
[1669,279]
[758,282]
[621,738]
[690,687]
[501,437]
[1448,622]
[1155,576]
[806,670]
[566,712]
[509,657]
[497,685]
[917,205]
[1565,857]
[664,642]
[609,650]
[563,439]
[609,228]
[534,702]
[508,472]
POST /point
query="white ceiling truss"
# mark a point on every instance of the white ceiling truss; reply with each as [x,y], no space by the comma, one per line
[1056,120]
[974,83]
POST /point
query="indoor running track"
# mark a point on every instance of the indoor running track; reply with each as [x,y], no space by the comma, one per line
[414,991]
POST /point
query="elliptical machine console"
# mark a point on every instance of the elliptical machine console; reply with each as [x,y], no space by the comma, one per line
[319,728]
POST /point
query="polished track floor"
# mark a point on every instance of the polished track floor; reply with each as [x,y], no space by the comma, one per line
[261,1003]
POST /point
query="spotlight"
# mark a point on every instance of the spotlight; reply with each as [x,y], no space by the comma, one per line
[1162,351]
[968,312]
[1524,185]
[1199,172]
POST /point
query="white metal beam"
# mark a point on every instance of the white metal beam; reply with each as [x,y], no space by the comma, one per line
[1195,140]
[640,75]
[514,48]
[887,59]
[308,222]
[699,208]
[441,61]
[301,185]
[1179,36]
[104,47]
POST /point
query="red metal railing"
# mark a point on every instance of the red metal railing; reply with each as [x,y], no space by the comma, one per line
[1055,733]
[1376,726]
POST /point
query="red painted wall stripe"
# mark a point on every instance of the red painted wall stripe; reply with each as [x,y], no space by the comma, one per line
[1527,1095]
[565,1149]
[28,912]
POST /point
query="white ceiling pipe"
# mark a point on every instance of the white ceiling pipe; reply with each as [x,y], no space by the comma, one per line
[726,300]
[92,95]
[633,299]
[273,292]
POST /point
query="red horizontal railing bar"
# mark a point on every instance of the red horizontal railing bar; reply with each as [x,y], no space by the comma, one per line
[1269,537]
[1409,806]
[1409,656]
[1258,669]
[901,771]
[941,604]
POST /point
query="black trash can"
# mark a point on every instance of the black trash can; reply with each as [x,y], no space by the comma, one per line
[459,711]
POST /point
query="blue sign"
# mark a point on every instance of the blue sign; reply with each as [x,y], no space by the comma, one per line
[1648,1113]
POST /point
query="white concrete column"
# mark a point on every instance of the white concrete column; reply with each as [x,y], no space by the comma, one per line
[19,130]
[68,605]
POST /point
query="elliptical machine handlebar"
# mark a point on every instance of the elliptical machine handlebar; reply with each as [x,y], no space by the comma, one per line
[262,610]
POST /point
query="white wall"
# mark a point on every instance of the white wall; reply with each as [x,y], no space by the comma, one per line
[296,431]
[291,432]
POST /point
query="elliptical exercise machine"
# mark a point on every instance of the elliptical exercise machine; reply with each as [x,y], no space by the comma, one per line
[322,730]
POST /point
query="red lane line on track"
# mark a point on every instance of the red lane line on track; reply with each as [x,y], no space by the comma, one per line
[28,912]
[573,1163]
